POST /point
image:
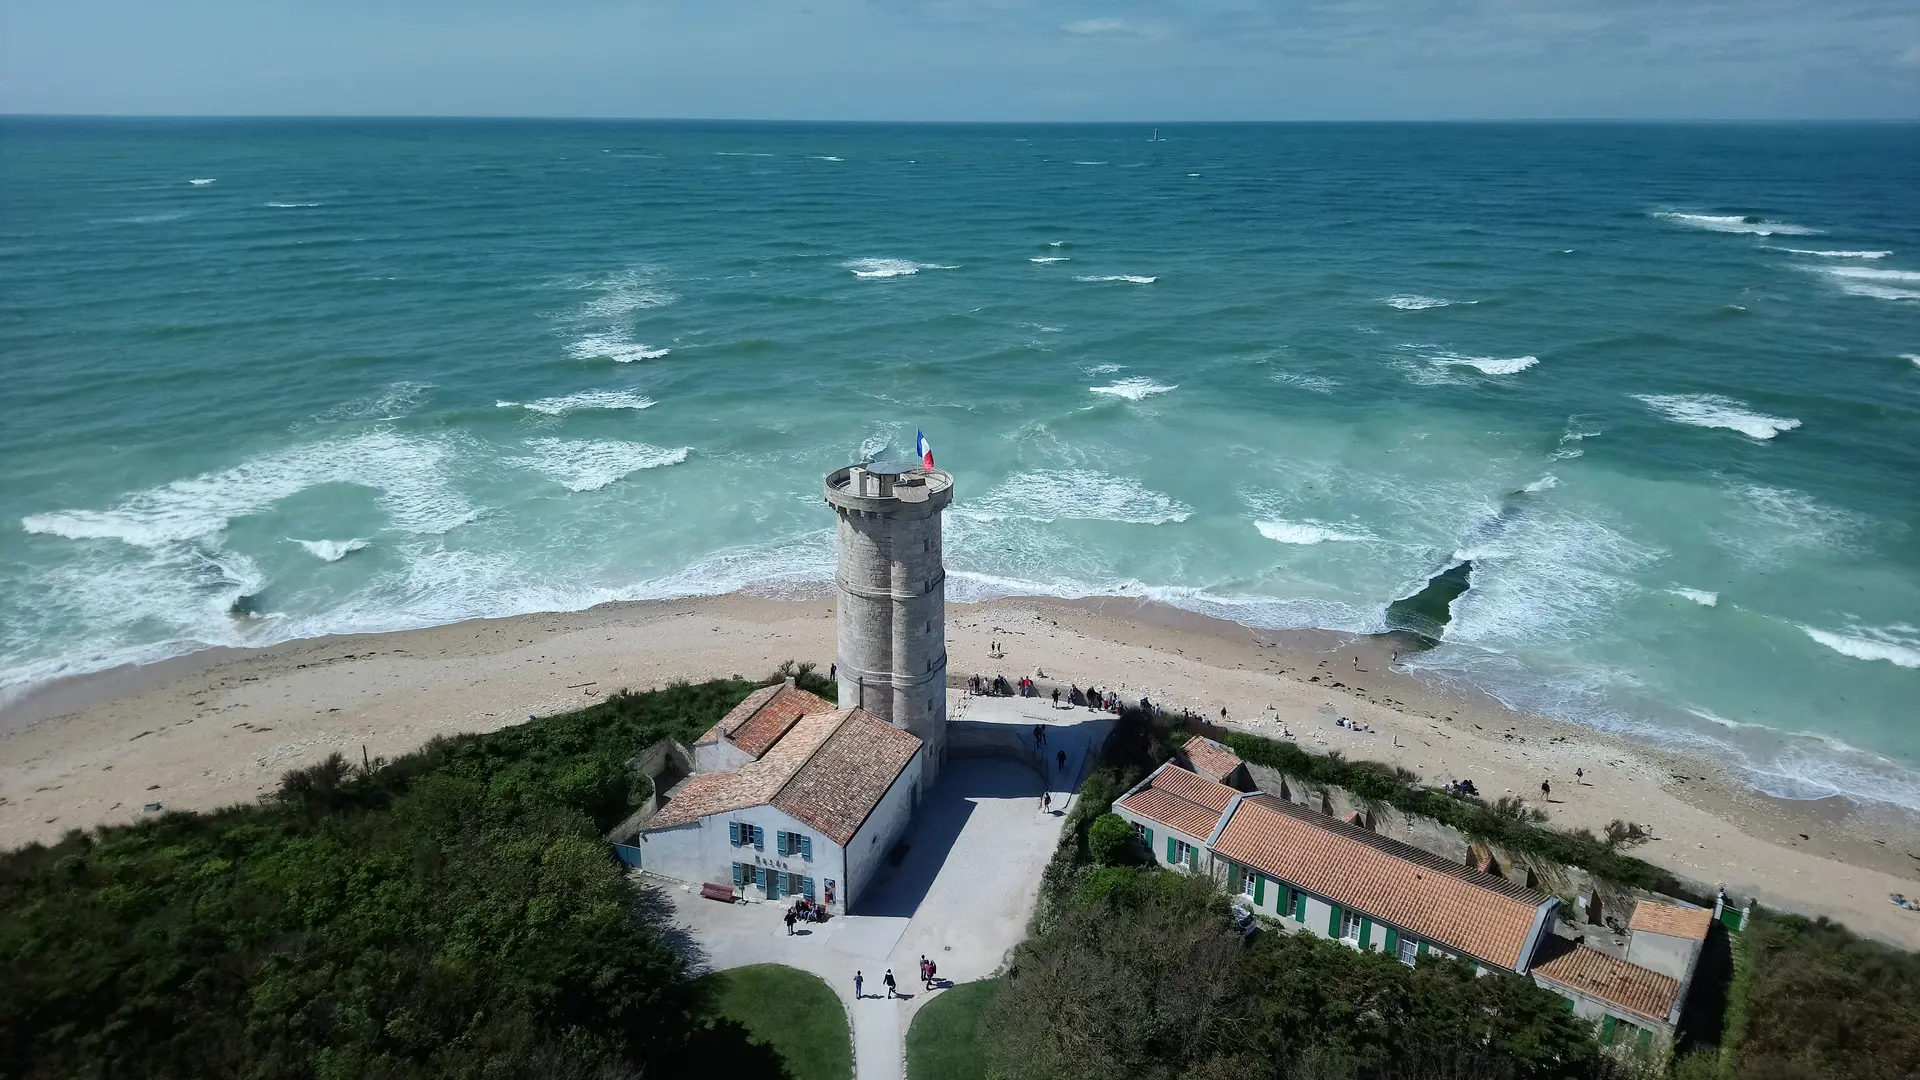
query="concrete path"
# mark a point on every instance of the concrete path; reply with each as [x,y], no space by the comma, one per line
[961,896]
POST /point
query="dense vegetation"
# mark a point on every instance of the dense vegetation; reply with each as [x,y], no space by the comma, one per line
[1505,823]
[450,913]
[944,1041]
[1811,1001]
[791,1012]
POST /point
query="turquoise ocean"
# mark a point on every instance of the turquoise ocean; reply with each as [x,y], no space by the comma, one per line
[1660,385]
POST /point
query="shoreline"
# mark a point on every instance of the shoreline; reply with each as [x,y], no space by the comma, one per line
[220,725]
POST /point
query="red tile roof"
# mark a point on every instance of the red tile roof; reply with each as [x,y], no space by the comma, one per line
[1672,920]
[829,770]
[1629,987]
[1210,759]
[839,786]
[759,721]
[1181,801]
[1463,910]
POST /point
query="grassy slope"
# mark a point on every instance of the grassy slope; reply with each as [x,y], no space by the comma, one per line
[793,1012]
[943,1043]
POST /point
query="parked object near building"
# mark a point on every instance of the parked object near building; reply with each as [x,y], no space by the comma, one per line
[1313,873]
[892,585]
[822,797]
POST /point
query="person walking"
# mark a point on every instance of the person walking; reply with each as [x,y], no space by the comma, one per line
[859,986]
[1056,697]
[926,977]
[891,993]
[789,922]
[1063,761]
[1046,802]
[1546,790]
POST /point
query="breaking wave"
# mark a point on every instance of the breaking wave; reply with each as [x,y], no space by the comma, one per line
[331,550]
[1134,389]
[613,347]
[589,465]
[1698,596]
[1838,254]
[1136,279]
[1416,302]
[586,399]
[1486,365]
[1050,258]
[1304,532]
[1877,283]
[889,268]
[1898,644]
[1075,495]
[1714,411]
[1736,223]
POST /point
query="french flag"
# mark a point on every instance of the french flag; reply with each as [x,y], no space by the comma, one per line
[924,448]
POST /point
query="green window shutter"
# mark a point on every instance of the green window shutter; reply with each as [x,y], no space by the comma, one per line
[1148,834]
[1233,878]
[806,886]
[1606,1030]
[739,875]
[733,832]
[1299,906]
[1420,949]
[1333,921]
[1259,889]
[806,852]
[1646,1038]
[1393,943]
[759,838]
[1567,1003]
[1366,931]
[1173,850]
[1193,858]
[780,842]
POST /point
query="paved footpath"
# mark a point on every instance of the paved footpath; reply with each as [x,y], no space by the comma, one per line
[961,897]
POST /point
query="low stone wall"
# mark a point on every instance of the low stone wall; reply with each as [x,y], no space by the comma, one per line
[1006,742]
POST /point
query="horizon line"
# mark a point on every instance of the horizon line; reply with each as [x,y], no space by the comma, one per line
[586,119]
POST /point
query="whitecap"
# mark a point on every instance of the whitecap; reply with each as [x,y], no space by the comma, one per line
[1736,223]
[1416,302]
[331,550]
[624,293]
[1898,644]
[1059,243]
[1319,384]
[827,157]
[1134,389]
[396,400]
[1134,278]
[1486,365]
[1304,532]
[1105,369]
[153,219]
[589,465]
[203,181]
[292,205]
[1914,357]
[1543,484]
[613,347]
[889,268]
[586,399]
[1838,254]
[1050,258]
[1714,411]
[1877,283]
[1077,494]
[1089,163]
[409,473]
[1698,596]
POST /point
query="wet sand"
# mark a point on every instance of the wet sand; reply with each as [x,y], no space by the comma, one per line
[221,726]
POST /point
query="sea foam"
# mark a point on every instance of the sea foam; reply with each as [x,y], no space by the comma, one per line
[589,465]
[1075,494]
[1304,532]
[1898,644]
[1134,389]
[1136,279]
[203,181]
[1877,283]
[1050,259]
[1416,302]
[889,268]
[1318,384]
[1486,365]
[1838,254]
[613,347]
[1698,596]
[586,399]
[1714,411]
[1736,223]
[331,550]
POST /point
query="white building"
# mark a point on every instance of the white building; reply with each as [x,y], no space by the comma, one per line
[792,797]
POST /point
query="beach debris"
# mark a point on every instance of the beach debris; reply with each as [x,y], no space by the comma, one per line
[1902,902]
[151,808]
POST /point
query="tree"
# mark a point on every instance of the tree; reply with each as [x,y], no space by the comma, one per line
[1111,842]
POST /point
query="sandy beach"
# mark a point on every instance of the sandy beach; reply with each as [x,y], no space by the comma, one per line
[220,727]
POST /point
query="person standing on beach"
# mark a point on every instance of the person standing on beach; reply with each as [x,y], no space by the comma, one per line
[1046,802]
[859,986]
[1546,790]
[1063,761]
[789,922]
[1056,697]
[889,981]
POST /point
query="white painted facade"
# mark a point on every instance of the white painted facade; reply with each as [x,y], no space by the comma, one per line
[705,851]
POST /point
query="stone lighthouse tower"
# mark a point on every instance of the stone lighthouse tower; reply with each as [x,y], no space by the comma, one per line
[893,597]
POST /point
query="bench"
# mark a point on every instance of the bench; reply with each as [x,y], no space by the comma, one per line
[716,891]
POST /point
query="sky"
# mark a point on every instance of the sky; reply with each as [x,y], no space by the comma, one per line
[989,60]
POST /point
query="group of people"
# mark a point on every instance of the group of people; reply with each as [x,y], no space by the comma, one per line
[804,910]
[1461,787]
[1355,725]
[929,978]
[998,686]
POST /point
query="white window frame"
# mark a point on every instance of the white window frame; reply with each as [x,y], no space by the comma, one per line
[1409,950]
[1350,925]
[1248,876]
[1184,853]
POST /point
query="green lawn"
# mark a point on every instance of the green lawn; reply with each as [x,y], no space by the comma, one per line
[793,1012]
[943,1043]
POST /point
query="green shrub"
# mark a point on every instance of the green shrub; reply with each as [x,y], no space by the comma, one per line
[1111,842]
